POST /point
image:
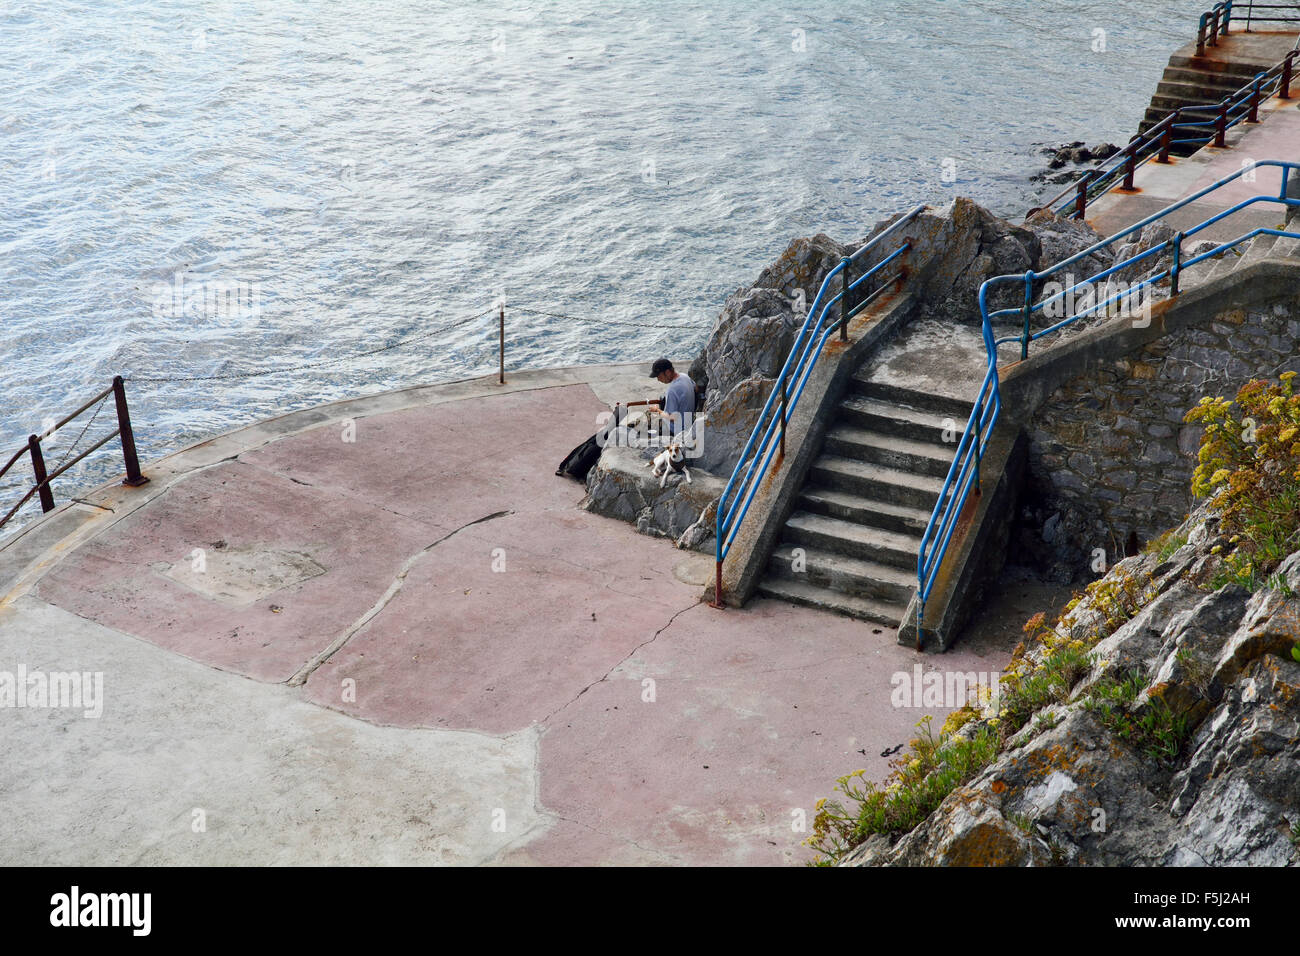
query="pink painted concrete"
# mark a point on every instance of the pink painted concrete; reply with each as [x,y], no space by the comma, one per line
[464,646]
[116,579]
[451,463]
[756,711]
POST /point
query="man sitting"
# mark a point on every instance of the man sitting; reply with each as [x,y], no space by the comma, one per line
[679,401]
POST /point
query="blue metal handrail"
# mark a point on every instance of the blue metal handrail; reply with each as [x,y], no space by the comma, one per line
[769,430]
[964,473]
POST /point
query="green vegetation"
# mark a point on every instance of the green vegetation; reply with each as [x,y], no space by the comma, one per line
[1152,727]
[1164,546]
[932,769]
[1250,459]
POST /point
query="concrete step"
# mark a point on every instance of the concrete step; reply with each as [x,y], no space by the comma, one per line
[1286,248]
[1193,109]
[852,540]
[1225,265]
[1227,68]
[856,577]
[909,423]
[1257,250]
[876,481]
[1197,275]
[886,613]
[1223,84]
[943,405]
[1196,91]
[901,519]
[893,451]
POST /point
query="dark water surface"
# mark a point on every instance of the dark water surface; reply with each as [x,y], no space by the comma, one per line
[328,178]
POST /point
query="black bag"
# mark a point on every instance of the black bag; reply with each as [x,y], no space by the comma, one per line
[583,458]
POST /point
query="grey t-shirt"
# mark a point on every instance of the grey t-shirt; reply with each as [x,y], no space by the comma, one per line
[680,400]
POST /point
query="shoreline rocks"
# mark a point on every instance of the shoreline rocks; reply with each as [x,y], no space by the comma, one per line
[1218,782]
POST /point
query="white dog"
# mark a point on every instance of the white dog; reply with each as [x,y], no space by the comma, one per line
[671,459]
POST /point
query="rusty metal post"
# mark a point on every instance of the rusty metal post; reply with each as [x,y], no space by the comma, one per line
[38,466]
[501,370]
[1200,37]
[133,476]
[844,299]
[1081,196]
[717,588]
[1221,124]
[1130,164]
[1213,33]
[1284,88]
[1253,116]
[1166,138]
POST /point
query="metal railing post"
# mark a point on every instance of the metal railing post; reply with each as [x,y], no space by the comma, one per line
[38,466]
[1254,102]
[783,413]
[1029,295]
[717,587]
[1221,124]
[1284,87]
[1200,35]
[1175,270]
[133,476]
[844,299]
[1227,15]
[1130,162]
[1081,197]
[1212,36]
[1167,137]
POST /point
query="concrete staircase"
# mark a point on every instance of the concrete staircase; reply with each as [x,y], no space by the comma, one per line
[1191,81]
[866,502]
[1258,249]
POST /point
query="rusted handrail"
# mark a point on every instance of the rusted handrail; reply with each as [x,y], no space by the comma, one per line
[43,479]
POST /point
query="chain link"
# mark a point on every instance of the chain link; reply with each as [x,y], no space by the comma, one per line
[84,429]
[324,363]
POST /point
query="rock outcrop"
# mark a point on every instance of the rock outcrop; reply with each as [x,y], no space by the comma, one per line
[622,486]
[750,343]
[1179,743]
[953,251]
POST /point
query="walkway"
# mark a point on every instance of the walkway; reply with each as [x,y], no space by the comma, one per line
[1157,185]
[414,647]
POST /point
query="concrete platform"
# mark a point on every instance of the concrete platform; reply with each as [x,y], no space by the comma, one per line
[413,647]
[1157,185]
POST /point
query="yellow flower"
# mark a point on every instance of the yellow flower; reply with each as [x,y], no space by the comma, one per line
[1219,477]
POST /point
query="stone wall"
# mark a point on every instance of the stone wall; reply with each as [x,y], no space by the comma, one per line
[1110,457]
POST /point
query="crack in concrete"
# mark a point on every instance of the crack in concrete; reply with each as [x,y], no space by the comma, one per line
[304,672]
[649,640]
